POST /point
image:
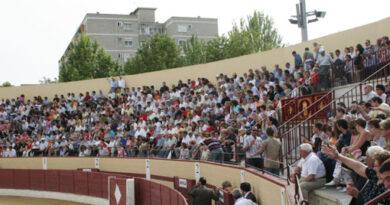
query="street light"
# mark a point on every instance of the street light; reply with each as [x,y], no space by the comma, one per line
[301,18]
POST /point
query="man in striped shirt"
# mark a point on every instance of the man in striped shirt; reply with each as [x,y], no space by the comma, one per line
[215,148]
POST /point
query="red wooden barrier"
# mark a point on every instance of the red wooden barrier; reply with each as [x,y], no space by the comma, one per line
[151,193]
[66,181]
[118,185]
[95,184]
[165,198]
[155,190]
[104,187]
[22,181]
[52,180]
[81,183]
[92,184]
[7,178]
[37,180]
[183,186]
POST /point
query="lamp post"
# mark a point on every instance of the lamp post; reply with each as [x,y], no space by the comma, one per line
[301,18]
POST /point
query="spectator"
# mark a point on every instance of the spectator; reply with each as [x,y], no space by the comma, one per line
[380,92]
[121,83]
[317,137]
[384,173]
[324,62]
[271,147]
[214,146]
[311,169]
[368,93]
[297,60]
[252,143]
[113,84]
[374,188]
[308,59]
[358,61]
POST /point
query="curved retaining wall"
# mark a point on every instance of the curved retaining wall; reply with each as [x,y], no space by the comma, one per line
[270,190]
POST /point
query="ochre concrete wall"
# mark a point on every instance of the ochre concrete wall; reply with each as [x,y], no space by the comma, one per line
[210,70]
[269,192]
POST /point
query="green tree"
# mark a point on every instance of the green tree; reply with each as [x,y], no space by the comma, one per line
[46,80]
[194,51]
[86,60]
[255,34]
[158,53]
[6,84]
[216,49]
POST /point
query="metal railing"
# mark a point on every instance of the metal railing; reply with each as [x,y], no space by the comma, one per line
[379,198]
[293,133]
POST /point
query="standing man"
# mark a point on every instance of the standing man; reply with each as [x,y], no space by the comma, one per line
[215,147]
[271,147]
[324,62]
[121,83]
[113,84]
[252,144]
[201,195]
[297,60]
[311,169]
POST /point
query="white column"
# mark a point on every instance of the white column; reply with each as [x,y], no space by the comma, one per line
[97,163]
[242,176]
[197,171]
[147,169]
[130,192]
[44,163]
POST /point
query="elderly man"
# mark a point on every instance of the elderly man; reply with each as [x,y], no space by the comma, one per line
[324,61]
[311,170]
[368,93]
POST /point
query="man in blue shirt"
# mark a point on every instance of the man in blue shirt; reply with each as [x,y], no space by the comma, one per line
[297,60]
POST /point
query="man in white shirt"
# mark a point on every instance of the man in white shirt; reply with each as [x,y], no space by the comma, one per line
[121,83]
[311,169]
[9,152]
[239,199]
[252,145]
[368,93]
[324,61]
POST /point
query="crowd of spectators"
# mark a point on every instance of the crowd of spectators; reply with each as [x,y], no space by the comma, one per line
[233,119]
[196,119]
[351,151]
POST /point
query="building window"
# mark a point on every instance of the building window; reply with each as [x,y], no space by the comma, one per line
[128,42]
[183,28]
[120,23]
[127,26]
[145,29]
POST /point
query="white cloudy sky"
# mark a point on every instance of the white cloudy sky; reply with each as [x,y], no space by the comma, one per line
[35,33]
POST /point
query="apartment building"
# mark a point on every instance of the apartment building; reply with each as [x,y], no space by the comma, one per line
[122,35]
